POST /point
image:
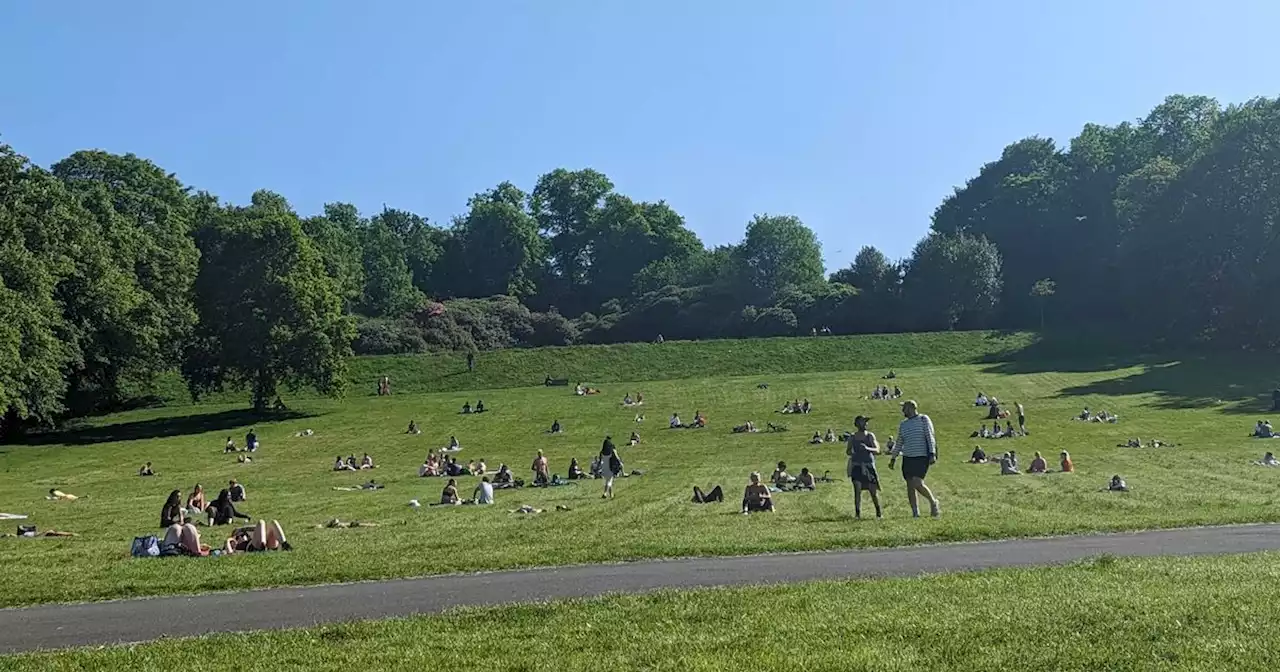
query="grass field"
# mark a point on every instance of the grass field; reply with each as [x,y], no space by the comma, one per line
[1103,614]
[1200,405]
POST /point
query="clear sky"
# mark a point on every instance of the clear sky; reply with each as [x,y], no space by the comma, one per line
[857,116]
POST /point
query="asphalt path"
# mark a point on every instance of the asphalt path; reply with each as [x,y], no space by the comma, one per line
[135,620]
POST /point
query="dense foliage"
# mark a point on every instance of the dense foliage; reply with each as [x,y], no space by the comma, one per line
[112,271]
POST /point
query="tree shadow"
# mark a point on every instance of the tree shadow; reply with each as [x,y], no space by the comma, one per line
[159,428]
[1076,352]
[1238,385]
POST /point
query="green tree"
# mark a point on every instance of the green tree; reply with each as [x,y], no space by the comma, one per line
[495,248]
[567,205]
[630,237]
[952,281]
[423,244]
[336,235]
[270,314]
[389,290]
[1042,290]
[779,252]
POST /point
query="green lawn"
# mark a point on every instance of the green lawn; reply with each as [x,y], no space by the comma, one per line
[1207,479]
[1104,614]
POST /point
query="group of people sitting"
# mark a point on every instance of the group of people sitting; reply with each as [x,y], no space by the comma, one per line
[182,538]
[584,390]
[996,432]
[1263,430]
[1009,462]
[784,481]
[819,438]
[468,410]
[350,463]
[482,495]
[699,421]
[883,392]
[796,406]
[1137,443]
[1100,416]
[438,465]
[637,400]
[250,444]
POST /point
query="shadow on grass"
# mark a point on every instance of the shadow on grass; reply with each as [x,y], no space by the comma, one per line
[1241,386]
[159,428]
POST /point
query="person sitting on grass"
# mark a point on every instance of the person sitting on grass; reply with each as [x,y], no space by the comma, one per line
[452,468]
[829,437]
[366,462]
[635,439]
[230,447]
[196,503]
[979,456]
[1117,484]
[222,511]
[471,468]
[1009,465]
[806,407]
[575,471]
[897,392]
[1067,465]
[479,406]
[981,400]
[780,477]
[1008,429]
[352,464]
[1263,430]
[427,469]
[699,420]
[146,470]
[483,493]
[805,480]
[675,421]
[627,400]
[172,513]
[454,446]
[816,440]
[466,408]
[1038,465]
[556,428]
[481,469]
[449,495]
[1268,460]
[700,497]
[756,496]
[413,428]
[236,491]
[539,467]
[258,538]
[505,479]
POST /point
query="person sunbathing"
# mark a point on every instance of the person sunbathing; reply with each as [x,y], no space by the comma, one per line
[1067,465]
[1268,460]
[371,485]
[700,497]
[58,495]
[504,477]
[366,462]
[1008,465]
[1117,484]
[744,428]
[195,501]
[466,408]
[1038,465]
[699,420]
[756,496]
[539,467]
[452,468]
[978,456]
[816,440]
[450,494]
[479,406]
[805,479]
[481,468]
[258,538]
[675,421]
[471,468]
[182,539]
[635,439]
[780,477]
[413,428]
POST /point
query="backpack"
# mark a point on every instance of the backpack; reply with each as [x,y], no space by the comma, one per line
[145,547]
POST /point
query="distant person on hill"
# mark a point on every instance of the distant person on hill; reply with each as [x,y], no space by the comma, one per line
[675,421]
[471,362]
[236,491]
[756,496]
[575,471]
[539,467]
[352,464]
[829,437]
[251,441]
[230,447]
[816,440]
[466,408]
[555,427]
[1022,418]
[1038,465]
[1263,430]
[700,497]
[1117,484]
[366,462]
[1067,465]
[340,464]
[981,400]
[659,340]
[919,449]
[453,444]
[413,428]
[1268,460]
[146,470]
[635,439]
[479,406]
[58,495]
[979,456]
[610,465]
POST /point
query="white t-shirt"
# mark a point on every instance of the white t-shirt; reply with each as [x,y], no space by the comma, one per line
[486,493]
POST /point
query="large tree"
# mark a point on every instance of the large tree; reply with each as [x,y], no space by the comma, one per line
[779,252]
[952,281]
[270,314]
[389,290]
[495,248]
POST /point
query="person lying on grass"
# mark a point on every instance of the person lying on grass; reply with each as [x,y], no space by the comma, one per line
[260,537]
[222,511]
[1038,465]
[747,427]
[1268,460]
[371,485]
[700,497]
[756,496]
[336,524]
[58,495]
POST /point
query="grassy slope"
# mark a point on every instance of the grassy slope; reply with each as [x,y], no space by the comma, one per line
[1186,614]
[1209,480]
[523,367]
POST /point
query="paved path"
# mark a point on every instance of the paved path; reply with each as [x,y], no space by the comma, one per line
[59,626]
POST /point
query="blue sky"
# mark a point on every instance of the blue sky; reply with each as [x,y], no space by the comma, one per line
[857,116]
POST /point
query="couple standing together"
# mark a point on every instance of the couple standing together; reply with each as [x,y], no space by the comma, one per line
[916,445]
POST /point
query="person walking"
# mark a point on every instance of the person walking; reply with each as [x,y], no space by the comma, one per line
[471,362]
[1022,418]
[610,465]
[862,449]
[919,448]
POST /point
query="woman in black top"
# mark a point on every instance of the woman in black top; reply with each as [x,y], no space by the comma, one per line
[610,464]
[171,514]
[222,511]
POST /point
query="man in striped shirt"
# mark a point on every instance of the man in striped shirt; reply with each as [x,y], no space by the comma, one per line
[919,449]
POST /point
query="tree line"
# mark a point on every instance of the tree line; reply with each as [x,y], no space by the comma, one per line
[114,271]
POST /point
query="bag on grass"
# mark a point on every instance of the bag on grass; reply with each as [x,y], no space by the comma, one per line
[145,547]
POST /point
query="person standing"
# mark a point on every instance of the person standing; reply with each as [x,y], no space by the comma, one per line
[919,449]
[610,465]
[471,362]
[1022,418]
[862,449]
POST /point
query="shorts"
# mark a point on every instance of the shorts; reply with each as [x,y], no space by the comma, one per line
[864,475]
[914,467]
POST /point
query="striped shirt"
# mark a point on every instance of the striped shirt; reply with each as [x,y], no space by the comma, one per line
[915,437]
